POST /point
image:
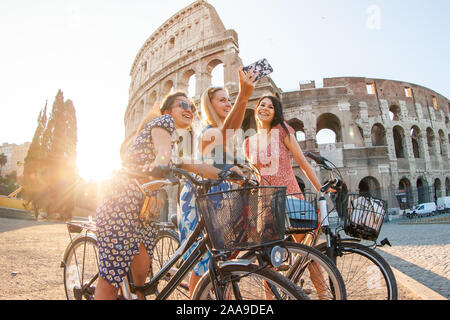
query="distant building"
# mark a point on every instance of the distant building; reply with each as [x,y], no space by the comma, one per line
[16,155]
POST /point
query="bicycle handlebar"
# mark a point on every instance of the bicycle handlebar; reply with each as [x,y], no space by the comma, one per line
[165,172]
[325,164]
[321,161]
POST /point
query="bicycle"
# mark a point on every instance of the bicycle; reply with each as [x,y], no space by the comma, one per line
[230,279]
[325,283]
[366,274]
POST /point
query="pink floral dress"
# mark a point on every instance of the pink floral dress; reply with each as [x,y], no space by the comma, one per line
[274,160]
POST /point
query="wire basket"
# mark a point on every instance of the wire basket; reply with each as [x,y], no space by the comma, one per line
[301,213]
[245,218]
[364,216]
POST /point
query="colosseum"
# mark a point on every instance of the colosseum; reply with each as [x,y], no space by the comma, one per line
[392,138]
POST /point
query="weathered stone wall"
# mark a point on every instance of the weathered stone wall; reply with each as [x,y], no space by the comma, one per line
[374,131]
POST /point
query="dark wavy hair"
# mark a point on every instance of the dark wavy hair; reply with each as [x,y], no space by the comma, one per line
[166,107]
[170,99]
[278,117]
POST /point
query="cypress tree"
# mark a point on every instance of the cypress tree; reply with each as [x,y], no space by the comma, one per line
[32,184]
[58,165]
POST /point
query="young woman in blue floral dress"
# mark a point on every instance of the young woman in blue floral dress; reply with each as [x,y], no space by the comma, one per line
[124,240]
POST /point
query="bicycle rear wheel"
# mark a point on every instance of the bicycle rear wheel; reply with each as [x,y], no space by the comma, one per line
[249,282]
[81,269]
[366,274]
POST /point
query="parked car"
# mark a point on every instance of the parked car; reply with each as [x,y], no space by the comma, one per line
[443,204]
[424,209]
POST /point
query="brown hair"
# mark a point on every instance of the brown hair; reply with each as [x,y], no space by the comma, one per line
[278,110]
[166,107]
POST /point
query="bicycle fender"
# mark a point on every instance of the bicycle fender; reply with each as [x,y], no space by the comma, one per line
[241,262]
[66,252]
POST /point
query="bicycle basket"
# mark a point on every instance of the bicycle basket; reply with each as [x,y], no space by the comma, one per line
[245,218]
[301,213]
[364,216]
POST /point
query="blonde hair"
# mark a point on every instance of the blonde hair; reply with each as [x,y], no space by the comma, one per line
[209,114]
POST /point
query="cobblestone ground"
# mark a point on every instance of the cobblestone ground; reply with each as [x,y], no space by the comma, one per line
[31,252]
[420,251]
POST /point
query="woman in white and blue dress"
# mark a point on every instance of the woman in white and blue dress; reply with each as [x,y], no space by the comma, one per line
[219,116]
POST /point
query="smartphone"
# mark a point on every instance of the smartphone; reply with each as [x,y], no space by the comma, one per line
[262,66]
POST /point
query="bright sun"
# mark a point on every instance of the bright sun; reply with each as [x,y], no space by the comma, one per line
[97,169]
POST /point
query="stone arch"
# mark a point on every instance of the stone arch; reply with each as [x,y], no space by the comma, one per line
[423,192]
[405,195]
[151,99]
[437,189]
[212,64]
[431,142]
[378,135]
[395,113]
[299,128]
[167,88]
[216,71]
[447,187]
[329,121]
[399,142]
[370,186]
[189,79]
[416,142]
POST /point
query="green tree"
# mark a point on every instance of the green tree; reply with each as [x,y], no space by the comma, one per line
[50,173]
[3,162]
[32,174]
[59,151]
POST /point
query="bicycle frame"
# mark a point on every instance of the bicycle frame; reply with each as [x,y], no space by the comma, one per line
[186,266]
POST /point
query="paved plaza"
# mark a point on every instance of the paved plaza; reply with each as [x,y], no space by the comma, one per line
[421,251]
[31,253]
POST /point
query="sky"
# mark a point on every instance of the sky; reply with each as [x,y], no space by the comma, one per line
[86,49]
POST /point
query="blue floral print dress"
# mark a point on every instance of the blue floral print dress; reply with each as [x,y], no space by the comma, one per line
[188,214]
[119,229]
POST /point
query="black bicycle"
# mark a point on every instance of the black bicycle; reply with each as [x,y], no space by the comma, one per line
[257,209]
[310,269]
[367,275]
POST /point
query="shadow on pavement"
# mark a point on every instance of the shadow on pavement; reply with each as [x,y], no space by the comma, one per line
[424,276]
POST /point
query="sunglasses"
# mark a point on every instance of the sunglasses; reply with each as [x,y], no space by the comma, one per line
[186,106]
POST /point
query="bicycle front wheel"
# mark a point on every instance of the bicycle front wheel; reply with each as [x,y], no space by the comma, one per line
[312,271]
[167,242]
[366,274]
[81,269]
[249,282]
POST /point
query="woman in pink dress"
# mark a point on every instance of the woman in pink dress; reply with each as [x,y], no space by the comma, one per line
[271,148]
[270,152]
